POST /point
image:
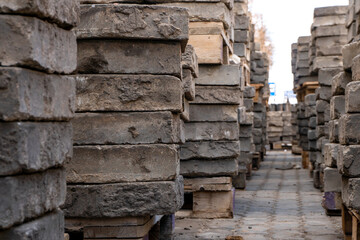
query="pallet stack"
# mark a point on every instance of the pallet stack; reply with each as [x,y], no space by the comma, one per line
[275,129]
[242,49]
[246,129]
[38,51]
[124,177]
[310,114]
[210,156]
[328,37]
[303,84]
[349,135]
[259,80]
[295,149]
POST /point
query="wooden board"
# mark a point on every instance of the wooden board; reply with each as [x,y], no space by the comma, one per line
[76,224]
[305,89]
[209,48]
[257,87]
[135,231]
[211,28]
[305,160]
[213,204]
[346,220]
[208,184]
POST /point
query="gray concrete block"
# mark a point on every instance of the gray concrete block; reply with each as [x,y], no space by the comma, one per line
[310,111]
[327,62]
[189,60]
[49,226]
[123,163]
[328,20]
[329,46]
[214,131]
[209,150]
[124,199]
[352,97]
[213,113]
[242,36]
[259,119]
[312,134]
[242,22]
[209,168]
[331,153]
[259,107]
[52,11]
[245,118]
[128,93]
[249,104]
[337,107]
[188,84]
[339,83]
[349,51]
[330,11]
[332,180]
[322,106]
[334,131]
[312,145]
[245,131]
[355,68]
[127,57]
[217,95]
[133,22]
[245,144]
[33,43]
[249,92]
[32,95]
[29,196]
[312,122]
[349,131]
[218,75]
[34,146]
[348,162]
[351,192]
[327,31]
[326,75]
[324,93]
[127,128]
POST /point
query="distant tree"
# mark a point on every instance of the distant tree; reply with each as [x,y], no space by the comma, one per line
[262,35]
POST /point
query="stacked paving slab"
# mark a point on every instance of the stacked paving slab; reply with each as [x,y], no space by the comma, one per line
[259,79]
[38,51]
[295,149]
[246,120]
[275,127]
[130,106]
[349,135]
[310,114]
[328,36]
[210,156]
[302,76]
[244,37]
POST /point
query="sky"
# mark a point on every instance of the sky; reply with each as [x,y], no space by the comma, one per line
[286,20]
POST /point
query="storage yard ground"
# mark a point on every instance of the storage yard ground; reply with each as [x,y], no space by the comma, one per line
[277,204]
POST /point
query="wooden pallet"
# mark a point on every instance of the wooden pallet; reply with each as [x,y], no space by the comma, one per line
[258,87]
[305,89]
[350,223]
[211,43]
[210,198]
[112,228]
[305,160]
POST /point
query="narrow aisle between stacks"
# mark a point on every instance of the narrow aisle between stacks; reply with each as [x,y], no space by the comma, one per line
[277,204]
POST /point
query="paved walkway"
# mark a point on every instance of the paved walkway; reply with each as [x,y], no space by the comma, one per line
[277,204]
